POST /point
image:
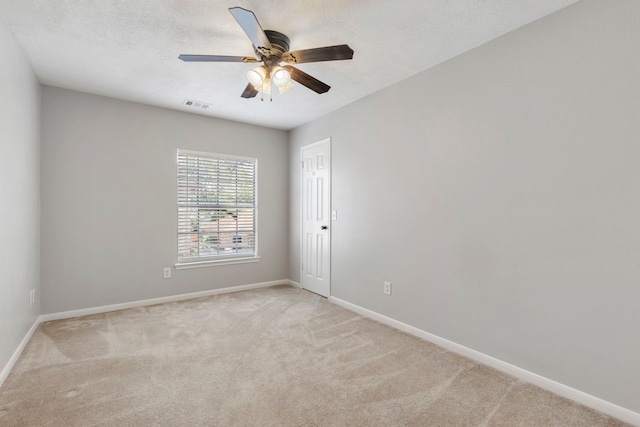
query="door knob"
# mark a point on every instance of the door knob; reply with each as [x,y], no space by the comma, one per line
[323,227]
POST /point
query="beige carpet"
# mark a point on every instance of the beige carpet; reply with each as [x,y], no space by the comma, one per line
[271,357]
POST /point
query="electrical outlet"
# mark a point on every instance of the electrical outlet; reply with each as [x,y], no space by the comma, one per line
[167,272]
[32,297]
[387,288]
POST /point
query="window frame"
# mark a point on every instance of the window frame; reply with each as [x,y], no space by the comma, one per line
[208,261]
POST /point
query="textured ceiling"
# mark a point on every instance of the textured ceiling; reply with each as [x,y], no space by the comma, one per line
[129,49]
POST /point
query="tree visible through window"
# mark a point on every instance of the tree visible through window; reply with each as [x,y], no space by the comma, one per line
[216,206]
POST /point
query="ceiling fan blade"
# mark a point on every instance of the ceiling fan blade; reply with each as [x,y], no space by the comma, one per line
[328,53]
[307,80]
[252,28]
[216,58]
[249,91]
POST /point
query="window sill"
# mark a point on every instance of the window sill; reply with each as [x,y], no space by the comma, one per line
[215,262]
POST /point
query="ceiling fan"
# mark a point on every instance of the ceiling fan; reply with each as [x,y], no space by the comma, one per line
[272,49]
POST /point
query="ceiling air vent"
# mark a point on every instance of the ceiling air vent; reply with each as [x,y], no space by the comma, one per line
[196,104]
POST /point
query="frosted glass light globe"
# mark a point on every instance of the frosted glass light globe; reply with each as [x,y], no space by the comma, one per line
[280,76]
[257,76]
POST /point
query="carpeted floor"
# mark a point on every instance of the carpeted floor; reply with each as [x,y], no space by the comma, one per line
[270,357]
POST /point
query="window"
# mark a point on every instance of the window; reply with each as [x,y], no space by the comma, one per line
[217,207]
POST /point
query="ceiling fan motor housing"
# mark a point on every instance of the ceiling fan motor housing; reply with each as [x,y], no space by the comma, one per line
[279,42]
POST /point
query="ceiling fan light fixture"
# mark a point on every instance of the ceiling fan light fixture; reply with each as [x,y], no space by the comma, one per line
[283,89]
[257,77]
[280,77]
[266,87]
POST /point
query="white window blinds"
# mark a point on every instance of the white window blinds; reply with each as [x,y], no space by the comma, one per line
[216,206]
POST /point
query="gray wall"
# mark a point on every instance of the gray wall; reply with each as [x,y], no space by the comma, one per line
[500,193]
[109,200]
[19,194]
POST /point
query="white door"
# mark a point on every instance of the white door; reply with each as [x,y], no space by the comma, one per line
[315,273]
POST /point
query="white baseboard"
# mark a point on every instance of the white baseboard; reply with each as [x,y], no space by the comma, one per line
[16,354]
[585,399]
[161,300]
[295,284]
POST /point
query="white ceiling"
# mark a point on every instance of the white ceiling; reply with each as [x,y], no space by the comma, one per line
[129,49]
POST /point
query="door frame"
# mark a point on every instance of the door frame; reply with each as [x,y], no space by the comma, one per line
[329,205]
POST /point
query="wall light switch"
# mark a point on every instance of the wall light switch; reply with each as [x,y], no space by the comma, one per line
[334,215]
[167,273]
